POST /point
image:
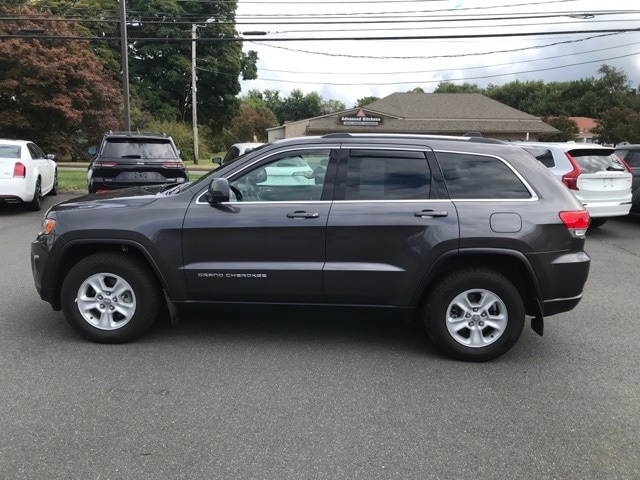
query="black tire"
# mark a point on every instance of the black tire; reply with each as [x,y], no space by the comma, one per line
[36,203]
[106,316]
[54,189]
[490,325]
[598,222]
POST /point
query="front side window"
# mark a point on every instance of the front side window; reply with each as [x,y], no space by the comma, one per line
[298,176]
[387,175]
[479,177]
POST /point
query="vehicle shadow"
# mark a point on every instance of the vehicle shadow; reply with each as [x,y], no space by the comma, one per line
[295,326]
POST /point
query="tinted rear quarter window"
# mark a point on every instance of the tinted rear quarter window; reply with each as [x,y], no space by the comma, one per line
[387,175]
[470,176]
[543,155]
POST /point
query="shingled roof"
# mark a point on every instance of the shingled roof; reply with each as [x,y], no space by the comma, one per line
[436,113]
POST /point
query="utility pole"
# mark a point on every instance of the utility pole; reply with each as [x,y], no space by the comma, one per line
[194,90]
[125,64]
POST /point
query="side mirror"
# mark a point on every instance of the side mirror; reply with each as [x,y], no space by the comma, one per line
[218,191]
[51,156]
[92,150]
[217,160]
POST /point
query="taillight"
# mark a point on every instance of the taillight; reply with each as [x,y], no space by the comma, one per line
[102,163]
[172,164]
[577,221]
[570,179]
[19,170]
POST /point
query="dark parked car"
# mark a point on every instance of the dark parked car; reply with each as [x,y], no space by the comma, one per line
[631,155]
[467,233]
[126,159]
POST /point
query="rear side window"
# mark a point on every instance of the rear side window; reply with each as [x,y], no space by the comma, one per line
[593,161]
[138,148]
[543,155]
[9,151]
[479,177]
[387,175]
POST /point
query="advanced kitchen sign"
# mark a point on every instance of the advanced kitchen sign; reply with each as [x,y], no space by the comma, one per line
[362,119]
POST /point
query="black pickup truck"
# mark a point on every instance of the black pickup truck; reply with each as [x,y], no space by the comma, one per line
[470,235]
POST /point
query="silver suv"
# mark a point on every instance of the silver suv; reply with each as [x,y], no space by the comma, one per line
[597,177]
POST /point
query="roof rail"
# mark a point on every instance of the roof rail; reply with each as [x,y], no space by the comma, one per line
[425,136]
[135,132]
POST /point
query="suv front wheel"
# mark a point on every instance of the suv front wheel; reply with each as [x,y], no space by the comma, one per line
[474,314]
[110,298]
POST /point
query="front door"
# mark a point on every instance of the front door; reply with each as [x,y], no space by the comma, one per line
[267,244]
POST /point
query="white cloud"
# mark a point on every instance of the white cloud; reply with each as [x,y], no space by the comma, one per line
[351,69]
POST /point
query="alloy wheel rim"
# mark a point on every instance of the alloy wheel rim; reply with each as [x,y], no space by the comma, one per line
[476,318]
[106,301]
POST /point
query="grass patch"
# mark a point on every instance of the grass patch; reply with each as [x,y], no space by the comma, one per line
[76,178]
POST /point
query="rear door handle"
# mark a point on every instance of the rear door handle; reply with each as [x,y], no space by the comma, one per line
[303,215]
[430,214]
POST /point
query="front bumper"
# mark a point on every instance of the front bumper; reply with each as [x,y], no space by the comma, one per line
[42,270]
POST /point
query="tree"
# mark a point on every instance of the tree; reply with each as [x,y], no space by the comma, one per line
[618,125]
[160,69]
[332,106]
[448,87]
[364,101]
[252,122]
[568,129]
[54,92]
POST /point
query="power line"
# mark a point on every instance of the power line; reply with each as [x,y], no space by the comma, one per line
[430,57]
[451,79]
[351,19]
[330,39]
[573,54]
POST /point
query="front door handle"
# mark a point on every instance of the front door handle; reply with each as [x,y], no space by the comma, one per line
[303,215]
[430,214]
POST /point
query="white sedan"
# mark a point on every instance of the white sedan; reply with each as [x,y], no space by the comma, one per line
[26,173]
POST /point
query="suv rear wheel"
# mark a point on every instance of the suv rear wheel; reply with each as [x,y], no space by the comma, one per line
[474,314]
[110,298]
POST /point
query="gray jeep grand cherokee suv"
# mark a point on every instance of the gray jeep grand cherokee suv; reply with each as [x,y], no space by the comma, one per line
[469,234]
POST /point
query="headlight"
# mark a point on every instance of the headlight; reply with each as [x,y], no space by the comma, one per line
[47,226]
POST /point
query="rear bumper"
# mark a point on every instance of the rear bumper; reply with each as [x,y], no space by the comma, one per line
[612,209]
[562,279]
[14,191]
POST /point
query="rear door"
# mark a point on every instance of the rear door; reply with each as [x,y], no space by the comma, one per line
[267,244]
[387,226]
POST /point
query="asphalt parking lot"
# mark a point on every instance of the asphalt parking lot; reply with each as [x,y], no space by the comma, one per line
[287,395]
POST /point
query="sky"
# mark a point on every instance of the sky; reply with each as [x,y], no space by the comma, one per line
[297,44]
